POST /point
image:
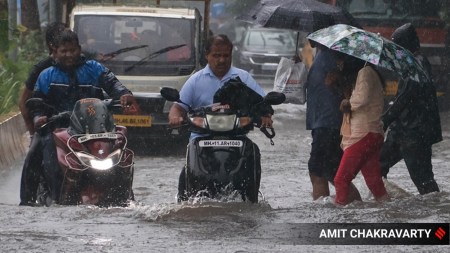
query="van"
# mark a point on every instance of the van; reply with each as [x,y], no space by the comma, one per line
[146,48]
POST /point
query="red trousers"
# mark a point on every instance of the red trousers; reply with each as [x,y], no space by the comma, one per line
[362,156]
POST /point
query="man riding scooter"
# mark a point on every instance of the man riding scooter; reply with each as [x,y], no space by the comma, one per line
[70,79]
[200,88]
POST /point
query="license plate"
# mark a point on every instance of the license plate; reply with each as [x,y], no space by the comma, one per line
[220,143]
[133,120]
[88,137]
[269,67]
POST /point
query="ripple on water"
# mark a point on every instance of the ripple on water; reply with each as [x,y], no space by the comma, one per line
[198,209]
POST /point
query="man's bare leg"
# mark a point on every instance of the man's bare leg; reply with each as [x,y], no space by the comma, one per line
[320,187]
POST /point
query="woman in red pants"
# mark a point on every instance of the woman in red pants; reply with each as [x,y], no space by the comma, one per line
[362,131]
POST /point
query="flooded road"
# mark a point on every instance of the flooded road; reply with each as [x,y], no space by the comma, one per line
[156,223]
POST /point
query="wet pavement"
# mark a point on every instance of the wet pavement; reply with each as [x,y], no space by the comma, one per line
[156,223]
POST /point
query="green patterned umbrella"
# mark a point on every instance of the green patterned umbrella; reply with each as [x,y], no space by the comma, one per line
[373,48]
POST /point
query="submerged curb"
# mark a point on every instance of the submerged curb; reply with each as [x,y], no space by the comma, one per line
[14,141]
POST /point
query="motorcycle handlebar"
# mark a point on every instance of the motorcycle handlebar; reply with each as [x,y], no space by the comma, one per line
[53,121]
[60,116]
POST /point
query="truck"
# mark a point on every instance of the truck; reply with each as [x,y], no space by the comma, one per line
[384,16]
[146,47]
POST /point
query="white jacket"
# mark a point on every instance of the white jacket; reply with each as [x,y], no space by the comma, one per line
[367,102]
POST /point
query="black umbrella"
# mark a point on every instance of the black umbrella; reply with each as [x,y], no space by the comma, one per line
[299,15]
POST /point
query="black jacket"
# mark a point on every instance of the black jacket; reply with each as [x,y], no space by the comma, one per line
[415,113]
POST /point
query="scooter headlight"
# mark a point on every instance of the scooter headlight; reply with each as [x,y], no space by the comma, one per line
[100,164]
[221,122]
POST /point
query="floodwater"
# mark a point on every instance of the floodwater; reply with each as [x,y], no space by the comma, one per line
[156,223]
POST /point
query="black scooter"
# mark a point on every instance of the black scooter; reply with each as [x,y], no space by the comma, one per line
[223,158]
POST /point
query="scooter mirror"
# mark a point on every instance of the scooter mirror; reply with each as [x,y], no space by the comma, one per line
[274,98]
[170,94]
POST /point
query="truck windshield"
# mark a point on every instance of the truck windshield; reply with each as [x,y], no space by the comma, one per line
[131,45]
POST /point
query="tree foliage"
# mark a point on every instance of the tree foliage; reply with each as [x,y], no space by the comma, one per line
[17,54]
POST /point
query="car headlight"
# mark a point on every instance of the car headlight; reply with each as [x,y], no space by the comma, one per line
[245,56]
[100,164]
[221,123]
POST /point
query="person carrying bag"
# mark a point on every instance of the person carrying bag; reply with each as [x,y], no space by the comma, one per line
[290,79]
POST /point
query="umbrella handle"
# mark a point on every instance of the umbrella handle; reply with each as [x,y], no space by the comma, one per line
[296,44]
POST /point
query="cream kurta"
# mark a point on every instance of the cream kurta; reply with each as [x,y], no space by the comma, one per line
[367,102]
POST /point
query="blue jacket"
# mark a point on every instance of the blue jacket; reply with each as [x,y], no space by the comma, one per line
[62,88]
[322,101]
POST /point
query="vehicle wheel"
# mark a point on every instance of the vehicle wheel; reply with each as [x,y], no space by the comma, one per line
[252,191]
[253,183]
[182,191]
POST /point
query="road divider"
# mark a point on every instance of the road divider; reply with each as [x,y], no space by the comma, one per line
[14,141]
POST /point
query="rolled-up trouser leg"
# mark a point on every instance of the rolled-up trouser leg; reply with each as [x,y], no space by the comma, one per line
[350,165]
[371,168]
[363,154]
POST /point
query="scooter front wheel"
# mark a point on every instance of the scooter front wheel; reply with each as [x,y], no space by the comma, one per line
[182,191]
[252,189]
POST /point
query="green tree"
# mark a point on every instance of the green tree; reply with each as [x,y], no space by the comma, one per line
[30,15]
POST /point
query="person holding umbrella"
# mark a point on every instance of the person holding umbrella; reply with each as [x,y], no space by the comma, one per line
[324,119]
[362,129]
[323,115]
[374,49]
[413,120]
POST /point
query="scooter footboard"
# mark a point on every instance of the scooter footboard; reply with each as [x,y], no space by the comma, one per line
[219,162]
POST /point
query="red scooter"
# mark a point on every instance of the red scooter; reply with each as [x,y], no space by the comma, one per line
[92,155]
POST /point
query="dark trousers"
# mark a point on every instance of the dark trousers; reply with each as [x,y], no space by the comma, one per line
[41,162]
[31,171]
[326,152]
[52,172]
[416,153]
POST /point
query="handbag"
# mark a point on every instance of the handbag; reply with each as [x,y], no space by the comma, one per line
[290,79]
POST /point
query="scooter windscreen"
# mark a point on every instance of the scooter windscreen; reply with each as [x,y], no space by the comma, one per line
[90,116]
